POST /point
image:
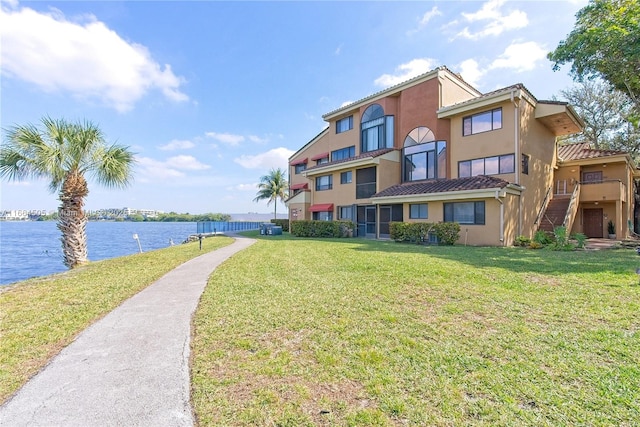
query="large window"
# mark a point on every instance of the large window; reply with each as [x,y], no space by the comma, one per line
[346,177]
[323,216]
[365,182]
[487,166]
[344,125]
[324,182]
[424,158]
[376,129]
[343,153]
[419,211]
[346,213]
[482,122]
[464,212]
[300,167]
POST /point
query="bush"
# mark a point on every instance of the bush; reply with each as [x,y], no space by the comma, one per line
[561,239]
[284,223]
[542,238]
[580,239]
[448,232]
[418,232]
[306,228]
[522,241]
[535,245]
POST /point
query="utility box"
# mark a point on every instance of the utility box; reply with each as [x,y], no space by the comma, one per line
[270,229]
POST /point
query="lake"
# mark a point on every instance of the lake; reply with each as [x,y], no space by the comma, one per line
[33,248]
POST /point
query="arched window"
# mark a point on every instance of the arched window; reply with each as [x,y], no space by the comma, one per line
[376,129]
[424,157]
[372,112]
[419,135]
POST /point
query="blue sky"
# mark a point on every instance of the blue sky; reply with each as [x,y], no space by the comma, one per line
[211,94]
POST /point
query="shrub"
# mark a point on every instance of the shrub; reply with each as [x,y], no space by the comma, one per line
[561,239]
[306,228]
[542,237]
[535,245]
[418,232]
[580,239]
[448,232]
[522,241]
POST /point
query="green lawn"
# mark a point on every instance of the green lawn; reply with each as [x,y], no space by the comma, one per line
[295,332]
[39,317]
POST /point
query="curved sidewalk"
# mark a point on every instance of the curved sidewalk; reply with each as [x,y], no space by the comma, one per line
[131,368]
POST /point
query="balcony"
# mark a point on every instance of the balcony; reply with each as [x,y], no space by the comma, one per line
[603,190]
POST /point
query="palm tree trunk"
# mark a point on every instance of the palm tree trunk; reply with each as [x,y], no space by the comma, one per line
[72,221]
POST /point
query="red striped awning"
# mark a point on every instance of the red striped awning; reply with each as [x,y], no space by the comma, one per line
[300,186]
[321,207]
[298,162]
[320,156]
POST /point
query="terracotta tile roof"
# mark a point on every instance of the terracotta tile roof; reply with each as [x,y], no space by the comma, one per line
[480,182]
[583,150]
[370,154]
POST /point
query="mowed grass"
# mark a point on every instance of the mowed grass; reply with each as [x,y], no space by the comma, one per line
[39,317]
[297,332]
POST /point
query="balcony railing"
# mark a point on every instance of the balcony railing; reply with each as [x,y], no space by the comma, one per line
[597,191]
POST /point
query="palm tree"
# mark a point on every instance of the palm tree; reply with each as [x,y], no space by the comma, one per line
[272,187]
[63,152]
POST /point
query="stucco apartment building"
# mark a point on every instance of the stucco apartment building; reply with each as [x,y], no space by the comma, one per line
[592,188]
[435,149]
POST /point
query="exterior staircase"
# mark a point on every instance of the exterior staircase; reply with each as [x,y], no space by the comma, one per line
[554,214]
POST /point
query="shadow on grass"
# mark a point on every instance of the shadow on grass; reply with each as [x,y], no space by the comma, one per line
[543,261]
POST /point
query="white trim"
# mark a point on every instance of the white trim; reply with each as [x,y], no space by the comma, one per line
[393,156]
[485,193]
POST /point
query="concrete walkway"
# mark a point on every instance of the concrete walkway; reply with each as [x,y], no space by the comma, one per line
[129,369]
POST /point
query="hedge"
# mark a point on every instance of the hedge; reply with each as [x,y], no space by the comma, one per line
[306,228]
[418,232]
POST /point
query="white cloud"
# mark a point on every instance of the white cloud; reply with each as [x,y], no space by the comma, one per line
[184,162]
[275,158]
[85,58]
[226,138]
[152,170]
[345,103]
[338,49]
[494,21]
[257,139]
[243,187]
[404,72]
[177,144]
[470,71]
[520,56]
[517,57]
[424,20]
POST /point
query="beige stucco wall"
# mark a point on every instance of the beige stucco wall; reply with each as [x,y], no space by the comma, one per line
[478,235]
[537,141]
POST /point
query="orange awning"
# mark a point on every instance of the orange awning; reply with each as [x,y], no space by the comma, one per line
[321,207]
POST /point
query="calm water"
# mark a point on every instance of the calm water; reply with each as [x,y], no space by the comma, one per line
[31,248]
